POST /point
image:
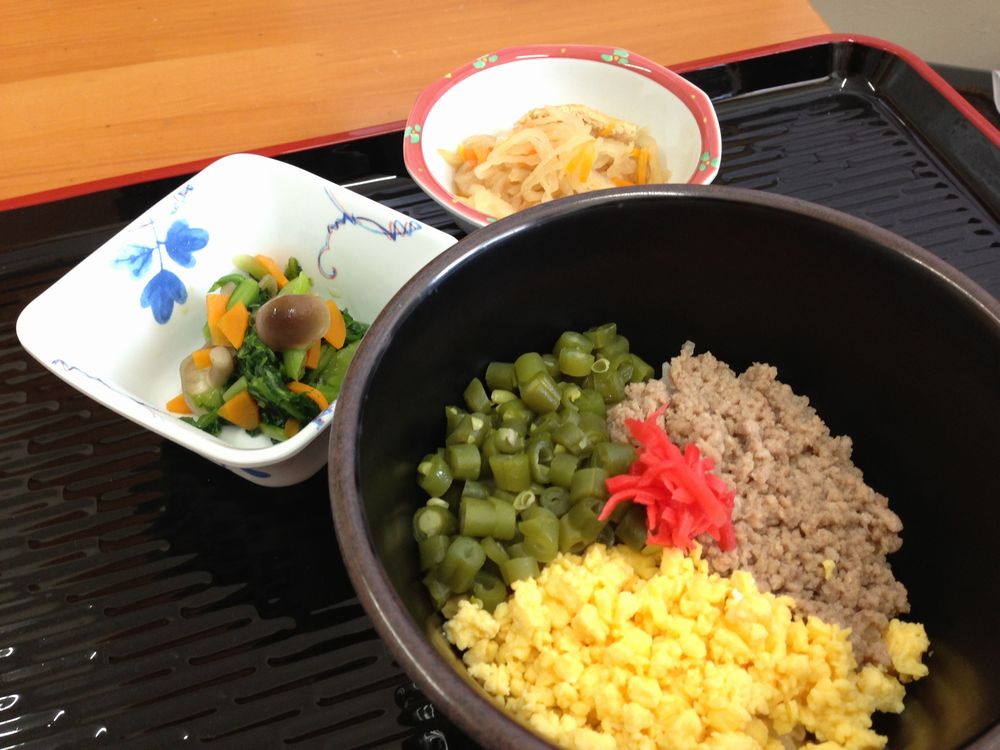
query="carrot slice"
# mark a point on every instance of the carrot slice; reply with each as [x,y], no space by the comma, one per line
[312,354]
[177,405]
[216,306]
[336,334]
[291,427]
[233,324]
[642,162]
[272,268]
[296,387]
[202,358]
[242,411]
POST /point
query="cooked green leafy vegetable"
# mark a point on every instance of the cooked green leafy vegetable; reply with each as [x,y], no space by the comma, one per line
[235,377]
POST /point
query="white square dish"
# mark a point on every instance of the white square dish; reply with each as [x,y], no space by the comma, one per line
[118,324]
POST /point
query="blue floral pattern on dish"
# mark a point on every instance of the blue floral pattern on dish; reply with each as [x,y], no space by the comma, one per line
[165,289]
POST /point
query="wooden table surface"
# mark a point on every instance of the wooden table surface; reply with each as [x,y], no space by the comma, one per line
[94,90]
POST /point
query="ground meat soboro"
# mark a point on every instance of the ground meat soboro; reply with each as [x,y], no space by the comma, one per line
[806,523]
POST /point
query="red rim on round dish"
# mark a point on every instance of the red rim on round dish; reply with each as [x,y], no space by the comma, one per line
[417,155]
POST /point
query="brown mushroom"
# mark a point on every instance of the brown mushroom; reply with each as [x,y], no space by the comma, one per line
[292,321]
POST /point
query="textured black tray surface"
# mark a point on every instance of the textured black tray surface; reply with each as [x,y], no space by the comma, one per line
[151,599]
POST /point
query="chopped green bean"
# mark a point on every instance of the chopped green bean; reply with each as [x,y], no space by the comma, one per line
[519,569]
[438,590]
[511,472]
[514,409]
[641,370]
[489,590]
[572,438]
[452,416]
[508,440]
[622,364]
[432,550]
[516,549]
[632,528]
[470,429]
[575,363]
[614,458]
[551,365]
[591,401]
[573,340]
[461,562]
[541,533]
[615,345]
[555,499]
[527,366]
[475,396]
[475,488]
[523,500]
[602,334]
[493,549]
[464,460]
[588,482]
[570,393]
[541,394]
[595,427]
[562,468]
[432,520]
[435,476]
[500,376]
[476,517]
[500,396]
[540,451]
[608,384]
[580,526]
[505,519]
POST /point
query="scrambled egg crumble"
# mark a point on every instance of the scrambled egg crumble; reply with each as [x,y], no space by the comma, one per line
[617,649]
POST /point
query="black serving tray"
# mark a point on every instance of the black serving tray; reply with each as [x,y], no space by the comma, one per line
[151,599]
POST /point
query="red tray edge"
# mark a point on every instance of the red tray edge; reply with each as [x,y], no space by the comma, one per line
[173,170]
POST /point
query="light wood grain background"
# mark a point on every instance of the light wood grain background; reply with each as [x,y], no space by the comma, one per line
[99,89]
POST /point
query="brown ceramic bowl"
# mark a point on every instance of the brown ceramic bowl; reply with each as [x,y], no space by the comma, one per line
[892,346]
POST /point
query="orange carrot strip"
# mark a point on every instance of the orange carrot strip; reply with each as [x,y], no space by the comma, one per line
[272,268]
[234,324]
[312,354]
[202,358]
[621,181]
[291,427]
[242,411]
[177,405]
[587,162]
[336,333]
[296,387]
[641,163]
[216,306]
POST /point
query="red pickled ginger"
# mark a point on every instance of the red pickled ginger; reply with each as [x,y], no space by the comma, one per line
[683,498]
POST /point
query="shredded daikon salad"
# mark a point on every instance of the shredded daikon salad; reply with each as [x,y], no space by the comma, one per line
[552,152]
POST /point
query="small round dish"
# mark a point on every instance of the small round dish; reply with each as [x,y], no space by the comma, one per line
[489,94]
